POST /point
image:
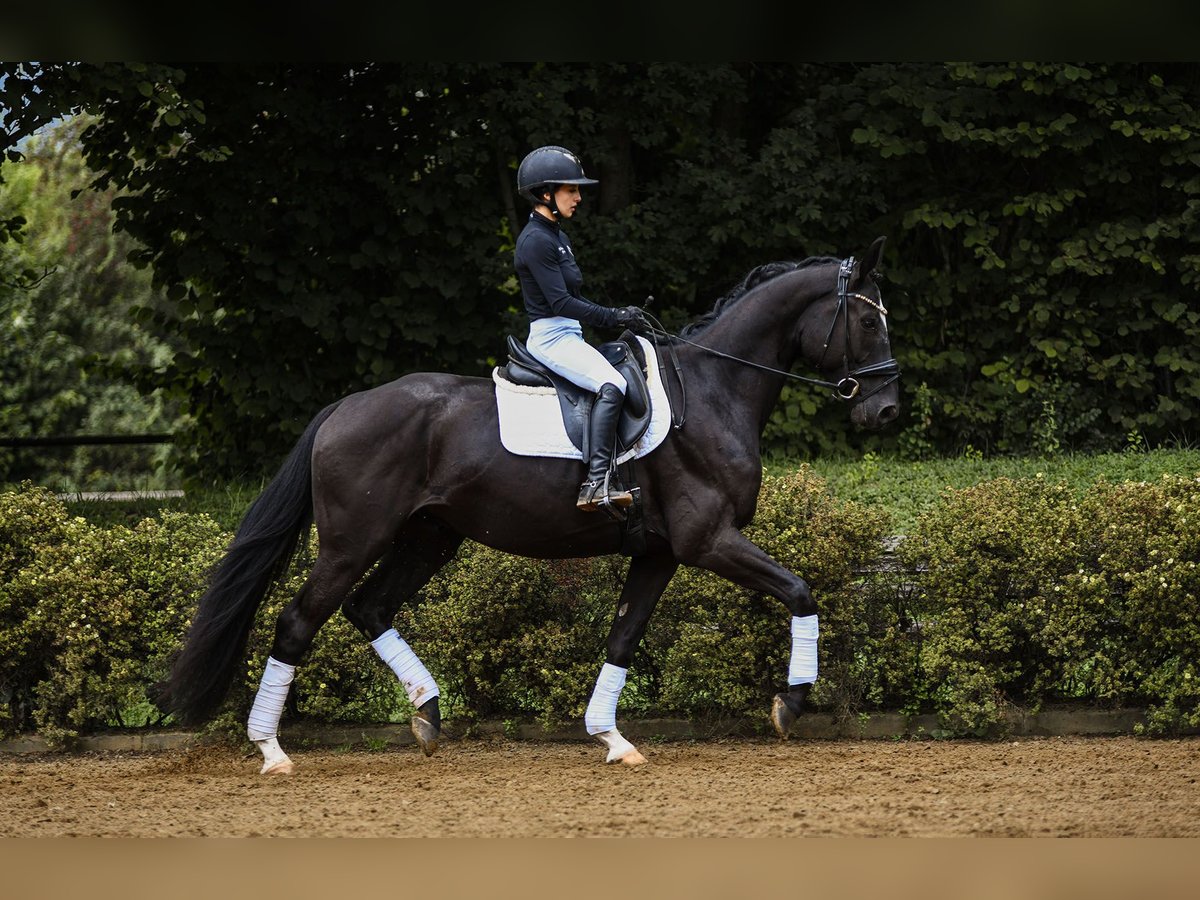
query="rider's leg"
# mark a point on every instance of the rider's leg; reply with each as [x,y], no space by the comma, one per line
[605,413]
[559,345]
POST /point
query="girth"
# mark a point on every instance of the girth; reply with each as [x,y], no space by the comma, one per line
[625,355]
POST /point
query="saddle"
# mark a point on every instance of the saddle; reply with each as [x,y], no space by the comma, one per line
[624,354]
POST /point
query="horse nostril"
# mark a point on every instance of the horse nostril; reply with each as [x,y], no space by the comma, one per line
[888,414]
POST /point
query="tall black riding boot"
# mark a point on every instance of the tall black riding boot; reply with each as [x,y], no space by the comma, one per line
[602,439]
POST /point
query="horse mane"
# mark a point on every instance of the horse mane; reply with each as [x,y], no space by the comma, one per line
[756,276]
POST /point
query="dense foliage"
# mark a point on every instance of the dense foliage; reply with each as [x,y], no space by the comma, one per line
[324,228]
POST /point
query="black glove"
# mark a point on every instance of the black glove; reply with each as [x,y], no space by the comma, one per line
[631,317]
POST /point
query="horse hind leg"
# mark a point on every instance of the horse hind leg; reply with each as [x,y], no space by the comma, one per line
[422,548]
[372,609]
[331,579]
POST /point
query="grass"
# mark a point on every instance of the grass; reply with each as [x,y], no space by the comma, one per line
[904,489]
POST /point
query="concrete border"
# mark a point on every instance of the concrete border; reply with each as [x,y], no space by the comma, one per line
[877,726]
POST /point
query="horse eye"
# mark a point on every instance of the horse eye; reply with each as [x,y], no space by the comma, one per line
[870,323]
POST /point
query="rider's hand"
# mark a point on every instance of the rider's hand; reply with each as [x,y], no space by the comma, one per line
[631,317]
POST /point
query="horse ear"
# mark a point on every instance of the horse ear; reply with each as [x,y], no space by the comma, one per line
[871,258]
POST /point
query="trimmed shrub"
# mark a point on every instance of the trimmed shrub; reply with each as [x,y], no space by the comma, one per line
[1136,591]
[1031,594]
[91,614]
[992,556]
[123,597]
[1010,592]
[30,519]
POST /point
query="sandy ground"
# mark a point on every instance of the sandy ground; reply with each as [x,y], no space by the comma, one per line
[1049,787]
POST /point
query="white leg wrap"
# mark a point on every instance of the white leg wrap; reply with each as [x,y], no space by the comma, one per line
[803,666]
[617,746]
[263,723]
[601,712]
[417,681]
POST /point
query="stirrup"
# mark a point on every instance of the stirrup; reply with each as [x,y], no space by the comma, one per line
[619,498]
[614,494]
[598,495]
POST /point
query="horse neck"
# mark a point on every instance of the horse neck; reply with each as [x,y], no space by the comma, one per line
[762,328]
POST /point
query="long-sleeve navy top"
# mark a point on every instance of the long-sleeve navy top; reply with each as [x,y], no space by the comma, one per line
[550,278]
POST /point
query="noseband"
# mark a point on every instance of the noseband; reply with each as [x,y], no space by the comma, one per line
[848,388]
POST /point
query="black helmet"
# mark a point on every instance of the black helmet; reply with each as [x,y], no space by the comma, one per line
[546,166]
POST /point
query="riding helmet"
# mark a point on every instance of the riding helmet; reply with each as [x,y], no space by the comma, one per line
[548,166]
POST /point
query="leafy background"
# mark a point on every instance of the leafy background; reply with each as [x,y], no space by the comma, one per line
[317,229]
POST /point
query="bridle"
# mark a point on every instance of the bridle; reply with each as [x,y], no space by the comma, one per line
[848,388]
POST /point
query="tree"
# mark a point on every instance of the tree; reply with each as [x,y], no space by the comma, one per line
[71,345]
[320,229]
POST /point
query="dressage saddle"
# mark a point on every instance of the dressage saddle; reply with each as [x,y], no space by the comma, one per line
[626,356]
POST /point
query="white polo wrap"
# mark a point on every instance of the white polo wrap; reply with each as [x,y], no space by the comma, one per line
[802,669]
[418,683]
[601,712]
[267,710]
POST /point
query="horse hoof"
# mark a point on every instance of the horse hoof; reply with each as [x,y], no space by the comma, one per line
[283,767]
[619,749]
[782,717]
[633,759]
[426,735]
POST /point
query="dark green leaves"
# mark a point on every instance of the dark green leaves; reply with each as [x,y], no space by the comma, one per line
[322,231]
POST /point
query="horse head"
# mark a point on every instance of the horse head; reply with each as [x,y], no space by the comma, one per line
[845,333]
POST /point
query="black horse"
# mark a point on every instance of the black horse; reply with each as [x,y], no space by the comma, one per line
[396,477]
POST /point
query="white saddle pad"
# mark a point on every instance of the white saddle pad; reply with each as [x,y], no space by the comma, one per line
[531,422]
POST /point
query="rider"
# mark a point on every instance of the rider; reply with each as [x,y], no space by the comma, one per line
[549,178]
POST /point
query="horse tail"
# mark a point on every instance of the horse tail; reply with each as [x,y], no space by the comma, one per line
[270,533]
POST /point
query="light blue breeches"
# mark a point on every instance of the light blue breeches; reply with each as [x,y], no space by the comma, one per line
[558,344]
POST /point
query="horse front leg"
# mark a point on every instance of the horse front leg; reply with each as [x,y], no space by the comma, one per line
[647,579]
[732,555]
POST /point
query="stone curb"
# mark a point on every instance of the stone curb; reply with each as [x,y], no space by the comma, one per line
[878,726]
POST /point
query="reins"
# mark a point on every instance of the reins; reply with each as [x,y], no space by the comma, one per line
[846,389]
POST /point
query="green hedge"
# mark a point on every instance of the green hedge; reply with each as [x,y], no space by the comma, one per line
[1030,594]
[1010,592]
[87,614]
